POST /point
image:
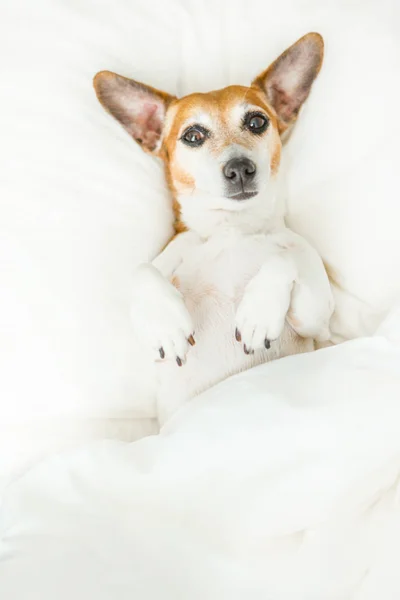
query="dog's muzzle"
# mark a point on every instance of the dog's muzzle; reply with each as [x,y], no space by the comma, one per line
[240,174]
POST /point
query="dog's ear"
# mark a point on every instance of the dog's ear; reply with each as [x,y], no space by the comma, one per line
[139,108]
[287,82]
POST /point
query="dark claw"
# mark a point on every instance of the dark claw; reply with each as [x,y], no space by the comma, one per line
[237,335]
[247,350]
[267,343]
[191,340]
[179,361]
[162,353]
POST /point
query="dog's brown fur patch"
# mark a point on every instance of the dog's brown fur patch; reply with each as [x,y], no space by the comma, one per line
[218,104]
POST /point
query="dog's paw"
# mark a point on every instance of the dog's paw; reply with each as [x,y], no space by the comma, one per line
[261,314]
[159,316]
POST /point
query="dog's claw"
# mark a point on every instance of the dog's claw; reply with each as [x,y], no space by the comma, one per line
[162,353]
[237,335]
[179,361]
[191,340]
[247,350]
[267,343]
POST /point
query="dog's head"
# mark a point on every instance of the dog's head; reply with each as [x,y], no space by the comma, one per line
[221,149]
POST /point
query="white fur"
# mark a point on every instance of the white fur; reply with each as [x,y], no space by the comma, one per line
[247,273]
[168,328]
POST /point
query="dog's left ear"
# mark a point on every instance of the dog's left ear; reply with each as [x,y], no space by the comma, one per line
[139,108]
[287,82]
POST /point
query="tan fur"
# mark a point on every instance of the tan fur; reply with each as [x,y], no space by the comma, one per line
[176,282]
[275,147]
[218,104]
[179,226]
[182,181]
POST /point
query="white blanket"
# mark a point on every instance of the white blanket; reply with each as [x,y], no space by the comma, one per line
[279,484]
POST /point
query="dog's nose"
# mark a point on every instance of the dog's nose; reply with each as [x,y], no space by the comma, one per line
[239,170]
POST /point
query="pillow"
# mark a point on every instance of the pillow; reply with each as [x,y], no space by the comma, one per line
[81,205]
[281,482]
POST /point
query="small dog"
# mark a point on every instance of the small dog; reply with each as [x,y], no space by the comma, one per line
[234,287]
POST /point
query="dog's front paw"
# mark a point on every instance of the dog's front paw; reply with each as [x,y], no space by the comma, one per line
[261,314]
[159,316]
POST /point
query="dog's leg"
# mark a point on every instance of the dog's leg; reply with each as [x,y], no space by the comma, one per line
[159,316]
[312,303]
[291,285]
[260,316]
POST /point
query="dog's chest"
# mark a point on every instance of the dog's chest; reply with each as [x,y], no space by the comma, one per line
[212,279]
[217,270]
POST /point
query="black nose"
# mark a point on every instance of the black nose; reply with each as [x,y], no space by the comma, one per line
[239,170]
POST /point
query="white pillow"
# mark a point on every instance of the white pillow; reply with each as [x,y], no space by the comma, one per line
[281,483]
[81,204]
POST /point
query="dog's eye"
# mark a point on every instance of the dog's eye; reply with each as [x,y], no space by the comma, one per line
[195,136]
[256,122]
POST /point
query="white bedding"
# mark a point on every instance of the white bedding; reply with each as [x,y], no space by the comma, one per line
[81,205]
[278,484]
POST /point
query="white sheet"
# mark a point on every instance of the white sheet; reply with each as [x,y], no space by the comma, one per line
[279,484]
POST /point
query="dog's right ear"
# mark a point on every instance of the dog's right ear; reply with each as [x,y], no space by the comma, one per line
[141,109]
[287,82]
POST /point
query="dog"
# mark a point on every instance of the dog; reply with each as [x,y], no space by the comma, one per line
[234,287]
